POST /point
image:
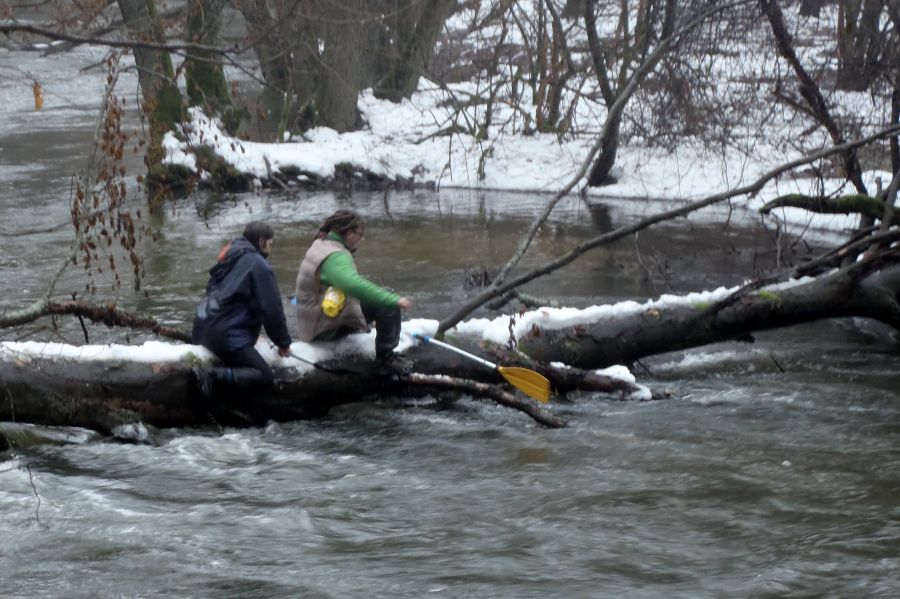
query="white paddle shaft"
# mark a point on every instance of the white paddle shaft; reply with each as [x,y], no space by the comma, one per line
[461,352]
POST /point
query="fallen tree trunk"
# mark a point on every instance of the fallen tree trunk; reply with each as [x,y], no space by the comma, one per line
[54,388]
[43,386]
[654,329]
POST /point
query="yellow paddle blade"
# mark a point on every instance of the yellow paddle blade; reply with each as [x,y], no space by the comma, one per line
[529,382]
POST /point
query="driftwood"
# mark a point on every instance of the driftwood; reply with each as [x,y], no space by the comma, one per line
[105,394]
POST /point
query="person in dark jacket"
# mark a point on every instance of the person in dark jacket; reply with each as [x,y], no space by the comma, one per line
[242,297]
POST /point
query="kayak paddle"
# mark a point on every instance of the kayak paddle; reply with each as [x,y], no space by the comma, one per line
[531,383]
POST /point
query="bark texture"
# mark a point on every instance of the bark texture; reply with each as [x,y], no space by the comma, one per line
[644,333]
[162,100]
[104,395]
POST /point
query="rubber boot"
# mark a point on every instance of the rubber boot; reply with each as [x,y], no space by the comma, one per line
[208,382]
[389,362]
[249,380]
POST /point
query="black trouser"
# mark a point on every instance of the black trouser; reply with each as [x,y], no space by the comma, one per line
[248,370]
[387,328]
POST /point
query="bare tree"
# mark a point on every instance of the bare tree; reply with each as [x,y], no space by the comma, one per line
[204,77]
[317,55]
[862,43]
[162,100]
[412,29]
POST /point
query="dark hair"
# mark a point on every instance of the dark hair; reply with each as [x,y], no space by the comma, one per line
[341,222]
[258,231]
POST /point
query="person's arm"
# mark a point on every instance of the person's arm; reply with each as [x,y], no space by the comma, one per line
[268,298]
[338,270]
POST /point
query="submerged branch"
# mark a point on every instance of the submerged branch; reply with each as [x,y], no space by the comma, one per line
[527,406]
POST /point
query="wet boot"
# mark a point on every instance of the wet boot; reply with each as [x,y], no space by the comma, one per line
[214,388]
[206,383]
[389,363]
[248,381]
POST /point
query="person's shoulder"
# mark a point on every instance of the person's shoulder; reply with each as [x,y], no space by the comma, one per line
[331,245]
[258,260]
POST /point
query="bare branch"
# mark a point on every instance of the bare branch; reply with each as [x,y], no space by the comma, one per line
[97,41]
[527,406]
[612,119]
[621,232]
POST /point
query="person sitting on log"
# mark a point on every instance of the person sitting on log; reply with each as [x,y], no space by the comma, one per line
[334,300]
[242,296]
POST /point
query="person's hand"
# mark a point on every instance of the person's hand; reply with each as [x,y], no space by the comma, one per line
[405,303]
[284,352]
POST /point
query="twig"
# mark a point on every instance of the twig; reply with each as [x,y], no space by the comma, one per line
[528,406]
[37,508]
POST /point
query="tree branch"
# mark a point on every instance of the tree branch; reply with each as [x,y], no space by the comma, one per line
[612,118]
[848,204]
[503,398]
[106,314]
[97,41]
[621,232]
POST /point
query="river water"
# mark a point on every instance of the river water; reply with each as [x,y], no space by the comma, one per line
[774,470]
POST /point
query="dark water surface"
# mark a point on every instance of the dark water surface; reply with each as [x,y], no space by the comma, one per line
[774,473]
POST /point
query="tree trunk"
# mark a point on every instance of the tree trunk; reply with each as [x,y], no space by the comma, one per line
[102,394]
[606,159]
[639,58]
[416,28]
[812,8]
[895,118]
[287,48]
[343,34]
[860,44]
[206,85]
[105,394]
[156,75]
[624,339]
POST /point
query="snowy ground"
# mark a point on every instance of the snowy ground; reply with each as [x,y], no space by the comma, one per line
[400,139]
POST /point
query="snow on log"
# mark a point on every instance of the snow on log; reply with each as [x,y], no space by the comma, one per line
[623,333]
[104,387]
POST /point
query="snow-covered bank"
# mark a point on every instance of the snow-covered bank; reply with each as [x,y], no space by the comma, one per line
[396,146]
[442,137]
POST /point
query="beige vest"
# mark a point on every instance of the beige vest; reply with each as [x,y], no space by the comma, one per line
[310,291]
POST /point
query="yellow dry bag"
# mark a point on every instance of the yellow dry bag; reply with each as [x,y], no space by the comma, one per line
[333,302]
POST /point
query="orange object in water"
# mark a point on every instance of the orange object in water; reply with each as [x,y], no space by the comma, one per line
[38,95]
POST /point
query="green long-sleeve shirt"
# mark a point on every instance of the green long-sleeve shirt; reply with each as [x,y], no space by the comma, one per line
[339,270]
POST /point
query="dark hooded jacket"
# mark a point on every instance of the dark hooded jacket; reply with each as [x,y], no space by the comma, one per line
[242,296]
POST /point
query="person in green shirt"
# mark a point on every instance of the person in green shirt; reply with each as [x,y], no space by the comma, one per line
[334,300]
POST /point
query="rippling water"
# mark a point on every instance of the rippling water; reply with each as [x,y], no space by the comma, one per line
[775,471]
[758,483]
